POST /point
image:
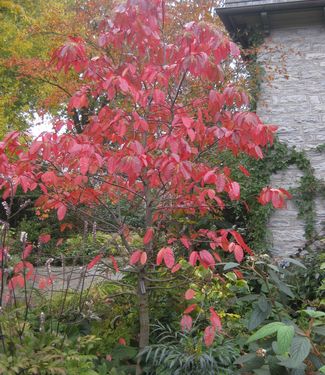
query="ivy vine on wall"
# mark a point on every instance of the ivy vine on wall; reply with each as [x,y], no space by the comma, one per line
[277,158]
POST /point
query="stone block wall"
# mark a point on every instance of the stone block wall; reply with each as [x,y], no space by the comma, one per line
[295,101]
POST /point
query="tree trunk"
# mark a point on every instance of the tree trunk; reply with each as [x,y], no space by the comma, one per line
[143,317]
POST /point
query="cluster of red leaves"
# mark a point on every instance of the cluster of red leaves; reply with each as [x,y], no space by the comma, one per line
[277,197]
[164,109]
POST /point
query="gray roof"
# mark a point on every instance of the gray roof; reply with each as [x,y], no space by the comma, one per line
[237,15]
[247,3]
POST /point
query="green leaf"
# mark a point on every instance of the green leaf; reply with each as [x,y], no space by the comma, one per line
[273,267]
[298,371]
[300,349]
[284,288]
[267,330]
[319,330]
[295,261]
[263,303]
[314,314]
[263,371]
[258,316]
[284,338]
[322,369]
[230,265]
[245,358]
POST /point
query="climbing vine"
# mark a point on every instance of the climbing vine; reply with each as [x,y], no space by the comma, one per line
[254,218]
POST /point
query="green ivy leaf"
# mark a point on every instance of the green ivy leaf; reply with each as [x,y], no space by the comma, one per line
[267,330]
[284,338]
[322,369]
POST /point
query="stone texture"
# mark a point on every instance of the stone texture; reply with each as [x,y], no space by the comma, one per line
[295,101]
[286,231]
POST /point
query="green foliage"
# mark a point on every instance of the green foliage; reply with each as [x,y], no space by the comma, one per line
[184,353]
[27,351]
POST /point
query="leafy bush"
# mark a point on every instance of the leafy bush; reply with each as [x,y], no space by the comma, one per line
[178,353]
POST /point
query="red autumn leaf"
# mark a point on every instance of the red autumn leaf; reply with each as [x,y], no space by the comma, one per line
[237,236]
[115,265]
[42,283]
[238,253]
[59,242]
[122,341]
[194,257]
[186,242]
[160,256]
[207,259]
[238,274]
[62,210]
[176,268]
[24,267]
[16,281]
[234,190]
[189,294]
[135,257]
[186,323]
[148,236]
[65,226]
[27,251]
[215,319]
[169,257]
[217,257]
[190,308]
[44,238]
[244,170]
[143,258]
[209,334]
[84,165]
[166,254]
[94,261]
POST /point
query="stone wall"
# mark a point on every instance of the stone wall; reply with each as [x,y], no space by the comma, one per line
[295,101]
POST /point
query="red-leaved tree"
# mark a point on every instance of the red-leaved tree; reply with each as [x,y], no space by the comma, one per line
[157,107]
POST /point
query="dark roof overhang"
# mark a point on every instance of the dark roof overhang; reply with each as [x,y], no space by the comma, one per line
[266,15]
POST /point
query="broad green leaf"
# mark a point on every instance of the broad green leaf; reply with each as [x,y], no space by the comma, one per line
[263,303]
[300,349]
[263,371]
[314,314]
[284,338]
[298,371]
[280,284]
[273,267]
[245,358]
[258,316]
[319,330]
[295,262]
[230,265]
[322,370]
[298,367]
[267,330]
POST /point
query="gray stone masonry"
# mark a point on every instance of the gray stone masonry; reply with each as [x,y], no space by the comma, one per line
[295,101]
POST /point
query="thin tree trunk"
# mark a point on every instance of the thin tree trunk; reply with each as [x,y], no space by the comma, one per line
[143,317]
